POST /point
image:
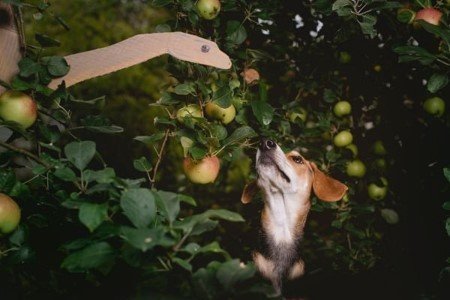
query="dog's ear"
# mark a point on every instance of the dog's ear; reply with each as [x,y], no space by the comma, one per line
[249,192]
[327,188]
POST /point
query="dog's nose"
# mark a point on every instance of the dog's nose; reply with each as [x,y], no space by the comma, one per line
[267,145]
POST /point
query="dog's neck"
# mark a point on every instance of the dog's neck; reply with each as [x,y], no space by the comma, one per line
[284,215]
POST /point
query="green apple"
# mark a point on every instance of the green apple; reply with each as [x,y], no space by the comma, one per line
[18,107]
[380,164]
[9,214]
[208,9]
[353,148]
[390,216]
[377,192]
[356,168]
[434,106]
[342,108]
[378,148]
[192,110]
[203,171]
[224,115]
[344,57]
[299,113]
[343,138]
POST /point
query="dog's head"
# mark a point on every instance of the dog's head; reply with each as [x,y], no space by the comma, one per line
[290,173]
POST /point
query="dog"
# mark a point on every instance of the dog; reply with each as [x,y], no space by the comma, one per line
[286,181]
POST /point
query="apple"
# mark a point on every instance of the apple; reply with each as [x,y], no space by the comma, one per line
[192,110]
[224,115]
[250,76]
[377,68]
[356,168]
[353,148]
[208,9]
[203,171]
[300,113]
[380,163]
[389,215]
[343,138]
[18,107]
[344,57]
[342,108]
[430,15]
[9,214]
[377,192]
[378,148]
[434,106]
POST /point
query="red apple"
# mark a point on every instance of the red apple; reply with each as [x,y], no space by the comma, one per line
[18,107]
[203,171]
[9,214]
[430,15]
[250,75]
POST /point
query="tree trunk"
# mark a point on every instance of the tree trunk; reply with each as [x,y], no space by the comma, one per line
[9,45]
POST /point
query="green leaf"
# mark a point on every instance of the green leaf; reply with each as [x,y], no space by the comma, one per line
[240,134]
[57,66]
[236,33]
[46,41]
[142,164]
[92,214]
[413,53]
[108,129]
[447,173]
[446,205]
[197,152]
[436,82]
[28,67]
[447,226]
[262,111]
[139,206]
[184,89]
[223,214]
[80,153]
[144,238]
[91,257]
[182,263]
[107,175]
[223,96]
[65,174]
[150,139]
[406,15]
[441,32]
[233,271]
[169,204]
[338,4]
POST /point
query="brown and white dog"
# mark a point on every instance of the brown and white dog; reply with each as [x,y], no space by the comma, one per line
[286,181]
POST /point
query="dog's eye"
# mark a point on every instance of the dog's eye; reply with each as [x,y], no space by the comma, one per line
[297,159]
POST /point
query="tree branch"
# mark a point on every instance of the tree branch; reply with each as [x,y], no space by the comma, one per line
[26,153]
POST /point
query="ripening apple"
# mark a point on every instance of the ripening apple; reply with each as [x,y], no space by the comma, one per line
[208,9]
[342,108]
[343,138]
[18,107]
[224,115]
[250,76]
[356,168]
[192,110]
[430,15]
[9,214]
[203,171]
[434,106]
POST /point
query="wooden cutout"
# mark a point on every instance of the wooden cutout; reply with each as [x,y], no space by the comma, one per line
[127,53]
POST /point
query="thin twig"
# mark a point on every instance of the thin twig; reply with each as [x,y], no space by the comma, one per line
[26,153]
[159,154]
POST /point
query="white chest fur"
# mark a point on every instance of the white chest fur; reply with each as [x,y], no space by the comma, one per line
[283,216]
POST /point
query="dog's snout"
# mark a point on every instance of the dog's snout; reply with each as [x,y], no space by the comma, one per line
[267,145]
